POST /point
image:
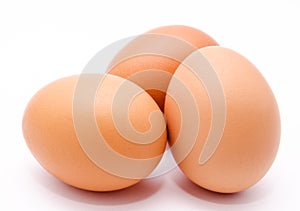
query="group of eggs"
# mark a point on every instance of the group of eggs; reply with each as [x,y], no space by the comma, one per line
[173,84]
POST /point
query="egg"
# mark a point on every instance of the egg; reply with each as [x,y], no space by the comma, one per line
[223,120]
[93,132]
[151,58]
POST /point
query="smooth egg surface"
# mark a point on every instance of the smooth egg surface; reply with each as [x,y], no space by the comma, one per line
[250,137]
[88,134]
[151,58]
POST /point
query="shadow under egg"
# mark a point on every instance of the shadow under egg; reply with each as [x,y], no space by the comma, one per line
[139,192]
[255,193]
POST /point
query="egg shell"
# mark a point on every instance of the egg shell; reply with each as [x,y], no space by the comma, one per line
[160,49]
[50,133]
[251,134]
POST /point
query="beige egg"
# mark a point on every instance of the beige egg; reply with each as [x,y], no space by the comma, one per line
[218,91]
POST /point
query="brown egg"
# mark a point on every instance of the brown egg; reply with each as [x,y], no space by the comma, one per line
[88,134]
[151,59]
[223,120]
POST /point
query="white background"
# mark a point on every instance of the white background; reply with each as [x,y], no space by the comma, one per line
[42,41]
